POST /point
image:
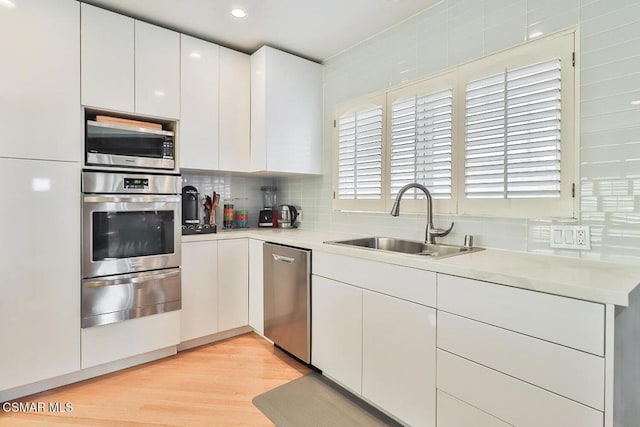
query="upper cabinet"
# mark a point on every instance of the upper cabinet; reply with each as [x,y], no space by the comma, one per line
[286,113]
[128,65]
[39,74]
[107,59]
[199,104]
[157,71]
[235,111]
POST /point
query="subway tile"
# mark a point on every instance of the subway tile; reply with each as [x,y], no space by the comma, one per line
[595,9]
[505,35]
[601,89]
[500,12]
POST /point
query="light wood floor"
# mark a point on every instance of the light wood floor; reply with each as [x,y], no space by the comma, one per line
[212,385]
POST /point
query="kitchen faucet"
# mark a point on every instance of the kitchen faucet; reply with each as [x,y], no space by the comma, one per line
[431,232]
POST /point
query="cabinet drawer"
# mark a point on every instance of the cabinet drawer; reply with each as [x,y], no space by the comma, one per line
[508,398]
[455,413]
[568,372]
[108,343]
[570,322]
[407,283]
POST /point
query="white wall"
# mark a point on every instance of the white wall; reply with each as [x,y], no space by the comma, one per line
[457,31]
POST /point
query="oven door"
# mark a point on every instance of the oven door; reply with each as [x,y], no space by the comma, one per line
[128,233]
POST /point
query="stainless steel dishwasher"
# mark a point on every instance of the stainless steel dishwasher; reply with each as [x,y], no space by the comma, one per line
[287,297]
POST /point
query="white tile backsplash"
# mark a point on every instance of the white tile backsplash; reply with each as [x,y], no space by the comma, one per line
[457,31]
[241,191]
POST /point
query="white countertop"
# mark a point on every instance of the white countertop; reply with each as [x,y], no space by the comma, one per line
[588,280]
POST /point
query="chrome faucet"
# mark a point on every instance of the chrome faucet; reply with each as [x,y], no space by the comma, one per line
[431,232]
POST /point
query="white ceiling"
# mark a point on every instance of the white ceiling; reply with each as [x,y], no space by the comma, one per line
[315,29]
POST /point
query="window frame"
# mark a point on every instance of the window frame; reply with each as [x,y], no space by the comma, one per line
[375,205]
[530,53]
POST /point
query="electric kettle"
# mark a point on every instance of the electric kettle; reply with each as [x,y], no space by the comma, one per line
[287,216]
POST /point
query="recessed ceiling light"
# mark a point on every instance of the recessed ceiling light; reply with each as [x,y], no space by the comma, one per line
[7,3]
[158,93]
[239,12]
[636,102]
[195,55]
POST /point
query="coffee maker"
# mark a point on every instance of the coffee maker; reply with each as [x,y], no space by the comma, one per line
[190,204]
[268,216]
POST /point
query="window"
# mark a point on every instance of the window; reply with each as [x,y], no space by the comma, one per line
[421,142]
[359,153]
[492,137]
[519,126]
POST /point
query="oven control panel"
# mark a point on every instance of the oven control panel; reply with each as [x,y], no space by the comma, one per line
[136,183]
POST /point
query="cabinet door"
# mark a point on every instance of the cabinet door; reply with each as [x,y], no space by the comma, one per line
[199,315]
[286,112]
[107,59]
[39,80]
[40,265]
[235,115]
[199,104]
[256,281]
[399,357]
[233,283]
[157,81]
[336,331]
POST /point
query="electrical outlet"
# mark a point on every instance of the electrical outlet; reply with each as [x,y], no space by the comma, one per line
[570,237]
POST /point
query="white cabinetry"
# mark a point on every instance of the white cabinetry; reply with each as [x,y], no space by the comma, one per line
[199,314]
[108,60]
[40,264]
[370,337]
[525,357]
[336,330]
[157,80]
[455,413]
[286,113]
[199,104]
[128,65]
[399,357]
[117,341]
[235,111]
[233,283]
[39,75]
[256,289]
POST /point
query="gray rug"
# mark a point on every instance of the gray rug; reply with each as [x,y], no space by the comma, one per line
[313,400]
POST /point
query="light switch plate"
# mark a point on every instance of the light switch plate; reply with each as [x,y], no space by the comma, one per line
[570,237]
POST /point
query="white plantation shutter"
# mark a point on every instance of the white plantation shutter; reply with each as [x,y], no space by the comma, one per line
[512,145]
[360,154]
[421,143]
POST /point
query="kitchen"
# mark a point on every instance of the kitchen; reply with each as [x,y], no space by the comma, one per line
[43,315]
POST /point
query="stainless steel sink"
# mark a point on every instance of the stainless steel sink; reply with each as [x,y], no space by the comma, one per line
[432,250]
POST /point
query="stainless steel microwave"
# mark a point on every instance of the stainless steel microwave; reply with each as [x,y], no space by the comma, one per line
[129,146]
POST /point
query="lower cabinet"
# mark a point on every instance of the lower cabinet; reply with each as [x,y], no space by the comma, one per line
[378,346]
[116,341]
[233,283]
[215,288]
[336,331]
[199,314]
[399,357]
[256,279]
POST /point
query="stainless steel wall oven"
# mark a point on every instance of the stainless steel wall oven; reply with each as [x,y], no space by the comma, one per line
[131,230]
